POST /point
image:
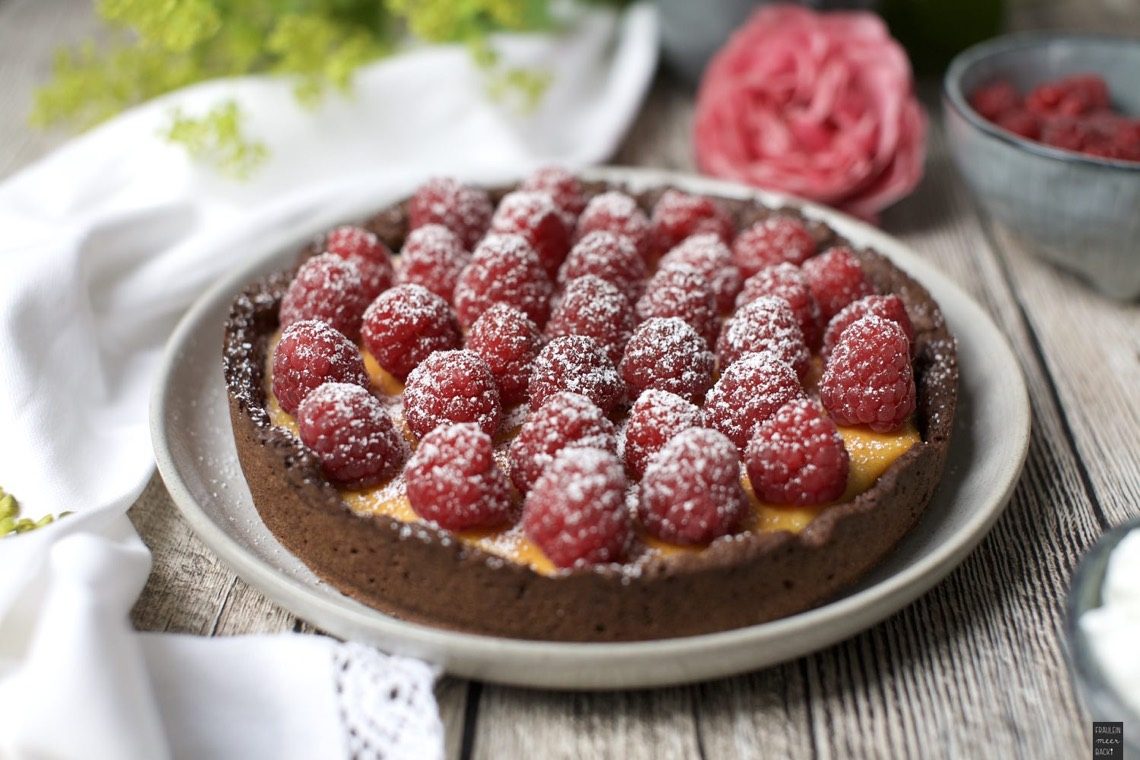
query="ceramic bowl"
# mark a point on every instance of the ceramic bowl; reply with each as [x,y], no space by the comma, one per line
[1101,698]
[1080,212]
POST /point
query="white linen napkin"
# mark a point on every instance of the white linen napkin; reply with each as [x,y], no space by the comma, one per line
[103,244]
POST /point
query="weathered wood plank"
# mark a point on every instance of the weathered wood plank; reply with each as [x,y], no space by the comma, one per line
[30,32]
[584,726]
[189,590]
[1092,347]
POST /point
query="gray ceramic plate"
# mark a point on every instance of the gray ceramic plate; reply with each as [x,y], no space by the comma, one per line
[195,453]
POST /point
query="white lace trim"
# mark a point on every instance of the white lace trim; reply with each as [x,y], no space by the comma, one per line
[387,705]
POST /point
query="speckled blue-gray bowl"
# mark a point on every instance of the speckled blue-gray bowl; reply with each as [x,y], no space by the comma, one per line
[1081,212]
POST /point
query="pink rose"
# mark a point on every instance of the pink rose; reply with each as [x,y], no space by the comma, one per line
[817,105]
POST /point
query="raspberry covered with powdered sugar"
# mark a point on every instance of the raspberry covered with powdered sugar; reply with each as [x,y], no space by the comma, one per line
[565,420]
[453,480]
[351,433]
[576,510]
[503,269]
[449,387]
[309,354]
[405,325]
[691,491]
[592,307]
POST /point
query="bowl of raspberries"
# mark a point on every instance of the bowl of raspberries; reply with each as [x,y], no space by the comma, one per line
[1045,128]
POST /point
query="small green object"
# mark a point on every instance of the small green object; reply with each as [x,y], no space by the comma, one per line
[8,505]
[11,522]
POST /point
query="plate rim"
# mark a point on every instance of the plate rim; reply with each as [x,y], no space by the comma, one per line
[607,664]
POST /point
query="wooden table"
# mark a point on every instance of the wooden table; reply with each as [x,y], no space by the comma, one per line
[974,668]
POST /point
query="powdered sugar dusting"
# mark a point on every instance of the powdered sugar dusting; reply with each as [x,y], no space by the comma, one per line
[777,239]
[330,289]
[450,387]
[691,491]
[612,257]
[464,210]
[566,419]
[433,256]
[618,213]
[748,393]
[708,254]
[453,479]
[503,269]
[576,510]
[766,324]
[577,364]
[786,281]
[653,420]
[681,291]
[404,325]
[592,307]
[667,354]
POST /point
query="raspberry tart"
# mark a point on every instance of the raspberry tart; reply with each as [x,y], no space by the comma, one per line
[570,410]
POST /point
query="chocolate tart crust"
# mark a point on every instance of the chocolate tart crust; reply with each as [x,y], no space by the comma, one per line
[420,573]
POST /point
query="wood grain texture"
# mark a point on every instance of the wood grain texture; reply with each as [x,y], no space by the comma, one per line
[972,669]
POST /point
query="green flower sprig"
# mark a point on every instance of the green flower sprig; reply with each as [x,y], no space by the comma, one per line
[157,47]
[10,521]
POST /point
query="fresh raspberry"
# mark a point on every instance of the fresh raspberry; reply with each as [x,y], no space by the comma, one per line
[995,99]
[563,187]
[771,241]
[668,355]
[748,393]
[796,456]
[452,479]
[565,420]
[578,364]
[888,307]
[691,491]
[836,279]
[404,325]
[653,420]
[868,379]
[330,289]
[463,209]
[786,281]
[433,257]
[1125,136]
[1068,134]
[535,217]
[309,354]
[678,215]
[368,252]
[706,253]
[576,510]
[592,307]
[680,291]
[1075,95]
[1022,123]
[612,257]
[452,386]
[766,324]
[509,342]
[617,213]
[503,269]
[349,431]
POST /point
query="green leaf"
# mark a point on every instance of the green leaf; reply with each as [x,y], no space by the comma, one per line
[217,138]
[176,25]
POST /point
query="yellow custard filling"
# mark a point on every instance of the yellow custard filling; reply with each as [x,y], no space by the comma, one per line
[871,454]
